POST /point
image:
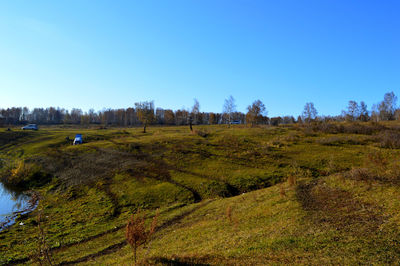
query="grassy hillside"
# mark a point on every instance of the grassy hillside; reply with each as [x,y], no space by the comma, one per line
[316,194]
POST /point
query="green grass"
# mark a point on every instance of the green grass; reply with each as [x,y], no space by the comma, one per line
[330,216]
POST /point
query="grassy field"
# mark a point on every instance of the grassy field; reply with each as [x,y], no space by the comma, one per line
[320,194]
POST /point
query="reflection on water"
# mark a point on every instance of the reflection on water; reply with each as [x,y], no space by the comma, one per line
[11,201]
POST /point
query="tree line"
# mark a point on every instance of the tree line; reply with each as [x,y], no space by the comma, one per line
[145,113]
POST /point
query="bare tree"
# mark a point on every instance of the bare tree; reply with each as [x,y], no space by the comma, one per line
[364,116]
[309,112]
[194,114]
[353,111]
[388,106]
[255,113]
[229,108]
[145,113]
[375,113]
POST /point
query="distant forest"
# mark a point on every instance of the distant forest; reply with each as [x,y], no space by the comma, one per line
[145,113]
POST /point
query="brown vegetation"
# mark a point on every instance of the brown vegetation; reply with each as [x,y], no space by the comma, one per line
[333,207]
[389,139]
[42,255]
[378,167]
[229,213]
[136,232]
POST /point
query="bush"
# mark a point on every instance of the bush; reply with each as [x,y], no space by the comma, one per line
[201,133]
[25,175]
[348,128]
[136,233]
[378,166]
[215,188]
[246,184]
[360,174]
[337,141]
[389,139]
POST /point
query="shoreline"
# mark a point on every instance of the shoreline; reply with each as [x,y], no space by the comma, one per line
[33,202]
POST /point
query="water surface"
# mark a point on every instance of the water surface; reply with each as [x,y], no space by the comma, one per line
[11,201]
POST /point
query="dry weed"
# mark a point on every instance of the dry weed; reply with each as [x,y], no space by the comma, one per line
[43,255]
[229,213]
[282,191]
[292,180]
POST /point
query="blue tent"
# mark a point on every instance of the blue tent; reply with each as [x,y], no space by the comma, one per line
[78,139]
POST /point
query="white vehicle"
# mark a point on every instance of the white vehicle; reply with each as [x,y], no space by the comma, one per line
[30,127]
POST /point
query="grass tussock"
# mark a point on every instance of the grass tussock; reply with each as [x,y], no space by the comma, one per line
[201,133]
[389,139]
[378,166]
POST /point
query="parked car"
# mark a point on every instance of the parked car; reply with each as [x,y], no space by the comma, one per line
[30,127]
[236,122]
[78,139]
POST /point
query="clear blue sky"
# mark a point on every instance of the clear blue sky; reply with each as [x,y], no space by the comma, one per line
[96,54]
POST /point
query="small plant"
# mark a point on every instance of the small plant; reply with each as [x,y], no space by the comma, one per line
[136,233]
[296,172]
[360,174]
[282,191]
[292,180]
[43,255]
[332,167]
[229,213]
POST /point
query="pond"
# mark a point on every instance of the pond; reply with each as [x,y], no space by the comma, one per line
[13,203]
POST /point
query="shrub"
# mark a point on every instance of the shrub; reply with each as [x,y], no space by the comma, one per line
[389,139]
[348,128]
[298,172]
[42,255]
[25,175]
[360,174]
[378,166]
[201,133]
[136,233]
[215,188]
[338,140]
[245,184]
